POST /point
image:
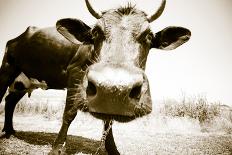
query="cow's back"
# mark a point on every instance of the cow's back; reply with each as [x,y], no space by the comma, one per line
[43,54]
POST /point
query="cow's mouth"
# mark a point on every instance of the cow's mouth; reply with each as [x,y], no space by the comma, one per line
[107,117]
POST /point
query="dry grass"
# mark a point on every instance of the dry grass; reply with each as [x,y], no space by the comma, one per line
[49,106]
[196,108]
[45,108]
[39,143]
[198,111]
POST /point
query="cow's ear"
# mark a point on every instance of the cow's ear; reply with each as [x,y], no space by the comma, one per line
[74,30]
[170,38]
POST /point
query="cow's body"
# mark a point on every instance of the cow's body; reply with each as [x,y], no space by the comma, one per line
[103,67]
[43,54]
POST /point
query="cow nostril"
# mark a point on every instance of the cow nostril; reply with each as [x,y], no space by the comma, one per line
[91,89]
[135,92]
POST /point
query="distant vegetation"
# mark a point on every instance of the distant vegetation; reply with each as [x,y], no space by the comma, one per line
[211,115]
[50,107]
[198,108]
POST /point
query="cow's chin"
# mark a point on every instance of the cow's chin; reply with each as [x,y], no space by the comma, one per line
[122,117]
[118,111]
[108,117]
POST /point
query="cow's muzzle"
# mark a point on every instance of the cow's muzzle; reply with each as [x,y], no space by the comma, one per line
[116,93]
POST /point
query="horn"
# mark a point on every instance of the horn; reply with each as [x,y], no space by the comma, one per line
[158,12]
[92,11]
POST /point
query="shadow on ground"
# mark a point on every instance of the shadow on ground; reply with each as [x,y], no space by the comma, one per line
[74,144]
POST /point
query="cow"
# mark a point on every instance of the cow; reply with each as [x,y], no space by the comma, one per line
[102,67]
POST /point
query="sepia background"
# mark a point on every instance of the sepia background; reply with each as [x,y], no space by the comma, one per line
[203,66]
[201,69]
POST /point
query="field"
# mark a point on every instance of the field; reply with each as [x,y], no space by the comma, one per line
[190,126]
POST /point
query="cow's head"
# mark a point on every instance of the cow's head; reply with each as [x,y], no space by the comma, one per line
[121,39]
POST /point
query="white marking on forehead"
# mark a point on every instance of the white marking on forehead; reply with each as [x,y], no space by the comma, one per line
[135,22]
[121,46]
[111,76]
[124,22]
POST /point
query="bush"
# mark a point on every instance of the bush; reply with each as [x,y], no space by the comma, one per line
[196,108]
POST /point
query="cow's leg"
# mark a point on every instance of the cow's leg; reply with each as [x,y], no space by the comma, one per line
[70,113]
[72,105]
[109,143]
[11,100]
[8,73]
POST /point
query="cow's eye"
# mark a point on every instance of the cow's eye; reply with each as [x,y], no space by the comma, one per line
[95,34]
[98,34]
[145,37]
[149,37]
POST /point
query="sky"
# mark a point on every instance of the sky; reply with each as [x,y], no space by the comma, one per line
[202,66]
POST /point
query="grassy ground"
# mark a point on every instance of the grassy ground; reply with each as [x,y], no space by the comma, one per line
[131,139]
[190,126]
[40,143]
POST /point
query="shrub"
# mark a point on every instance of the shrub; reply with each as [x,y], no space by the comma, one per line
[196,108]
[42,107]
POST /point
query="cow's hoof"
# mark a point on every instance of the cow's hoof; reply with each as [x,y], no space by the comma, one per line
[60,150]
[7,134]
